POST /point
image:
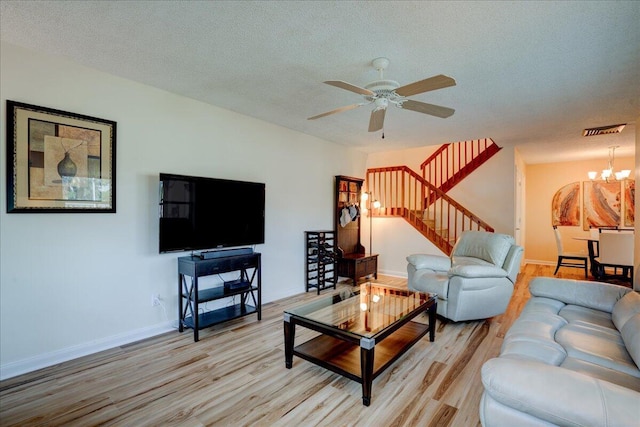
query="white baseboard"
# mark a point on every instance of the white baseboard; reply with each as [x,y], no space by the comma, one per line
[535,261]
[392,273]
[31,364]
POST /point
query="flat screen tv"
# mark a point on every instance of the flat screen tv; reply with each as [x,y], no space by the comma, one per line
[199,213]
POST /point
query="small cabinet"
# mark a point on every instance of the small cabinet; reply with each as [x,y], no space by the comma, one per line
[353,260]
[247,288]
[320,260]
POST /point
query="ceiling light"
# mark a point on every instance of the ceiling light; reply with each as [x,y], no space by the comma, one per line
[609,173]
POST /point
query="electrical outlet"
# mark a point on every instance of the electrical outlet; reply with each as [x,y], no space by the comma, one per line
[155,300]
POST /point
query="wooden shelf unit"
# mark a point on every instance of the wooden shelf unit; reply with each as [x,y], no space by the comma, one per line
[353,260]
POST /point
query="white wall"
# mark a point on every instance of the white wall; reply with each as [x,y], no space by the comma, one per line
[72,284]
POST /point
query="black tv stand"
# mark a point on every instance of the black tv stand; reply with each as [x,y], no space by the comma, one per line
[190,296]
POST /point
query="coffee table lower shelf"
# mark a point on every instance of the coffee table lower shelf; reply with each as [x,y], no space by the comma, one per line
[348,359]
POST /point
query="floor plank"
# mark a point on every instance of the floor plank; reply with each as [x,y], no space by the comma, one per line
[235,375]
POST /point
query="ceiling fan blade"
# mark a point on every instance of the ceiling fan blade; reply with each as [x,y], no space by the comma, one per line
[376,122]
[423,107]
[337,110]
[349,87]
[432,83]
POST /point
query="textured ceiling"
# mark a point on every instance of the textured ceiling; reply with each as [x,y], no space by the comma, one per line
[529,74]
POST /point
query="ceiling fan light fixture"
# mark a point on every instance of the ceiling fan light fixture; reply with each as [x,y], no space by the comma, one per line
[383,92]
[382,103]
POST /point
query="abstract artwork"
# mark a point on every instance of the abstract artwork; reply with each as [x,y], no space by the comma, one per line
[629,202]
[59,161]
[602,202]
[565,205]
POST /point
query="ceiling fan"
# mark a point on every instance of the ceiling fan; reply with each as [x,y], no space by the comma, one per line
[384,92]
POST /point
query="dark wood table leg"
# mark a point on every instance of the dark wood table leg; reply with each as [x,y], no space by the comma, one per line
[593,247]
[367,347]
[180,315]
[432,321]
[289,335]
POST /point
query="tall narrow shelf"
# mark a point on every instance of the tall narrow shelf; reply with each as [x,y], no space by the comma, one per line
[248,287]
[320,260]
[353,260]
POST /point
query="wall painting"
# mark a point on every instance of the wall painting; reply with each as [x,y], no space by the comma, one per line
[601,204]
[565,205]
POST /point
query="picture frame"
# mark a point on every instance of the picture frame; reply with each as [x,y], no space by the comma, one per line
[565,206]
[601,203]
[59,162]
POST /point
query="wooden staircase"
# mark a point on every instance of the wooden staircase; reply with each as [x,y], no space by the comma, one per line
[453,162]
[422,200]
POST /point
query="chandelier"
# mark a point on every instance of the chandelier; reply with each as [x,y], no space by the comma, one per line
[609,173]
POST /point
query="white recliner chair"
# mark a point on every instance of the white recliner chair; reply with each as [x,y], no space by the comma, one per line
[476,282]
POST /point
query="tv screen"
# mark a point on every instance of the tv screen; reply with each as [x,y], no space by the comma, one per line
[199,213]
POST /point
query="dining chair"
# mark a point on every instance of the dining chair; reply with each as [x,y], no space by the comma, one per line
[567,259]
[616,252]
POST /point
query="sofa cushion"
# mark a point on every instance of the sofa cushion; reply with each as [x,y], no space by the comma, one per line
[491,247]
[469,260]
[477,271]
[631,337]
[543,306]
[558,396]
[432,281]
[579,314]
[602,349]
[602,373]
[625,309]
[532,325]
[548,352]
[596,295]
[432,262]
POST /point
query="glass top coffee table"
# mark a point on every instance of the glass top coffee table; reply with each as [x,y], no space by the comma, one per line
[353,324]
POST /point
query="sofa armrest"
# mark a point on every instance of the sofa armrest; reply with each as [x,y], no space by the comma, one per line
[473,271]
[558,395]
[596,295]
[432,262]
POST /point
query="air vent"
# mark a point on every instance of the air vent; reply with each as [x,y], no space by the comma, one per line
[603,130]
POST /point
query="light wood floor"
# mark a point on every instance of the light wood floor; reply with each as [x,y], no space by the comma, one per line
[235,376]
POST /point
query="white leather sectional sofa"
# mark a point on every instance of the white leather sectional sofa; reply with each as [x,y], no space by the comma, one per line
[570,359]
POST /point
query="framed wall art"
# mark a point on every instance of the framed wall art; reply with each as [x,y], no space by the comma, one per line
[565,206]
[59,161]
[602,202]
[629,202]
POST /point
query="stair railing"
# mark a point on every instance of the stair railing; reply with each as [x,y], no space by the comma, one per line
[447,163]
[401,192]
